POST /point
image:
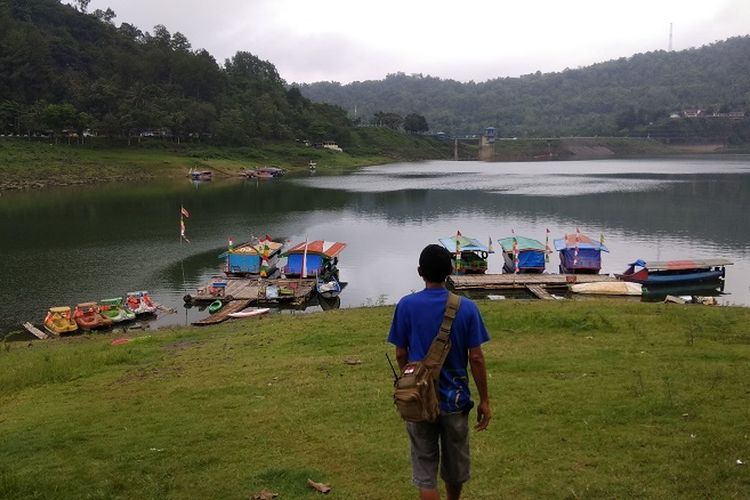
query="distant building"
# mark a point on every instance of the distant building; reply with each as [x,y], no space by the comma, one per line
[489,133]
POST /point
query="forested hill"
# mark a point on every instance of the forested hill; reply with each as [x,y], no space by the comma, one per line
[618,97]
[62,68]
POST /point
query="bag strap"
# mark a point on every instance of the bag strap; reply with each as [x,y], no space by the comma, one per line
[442,343]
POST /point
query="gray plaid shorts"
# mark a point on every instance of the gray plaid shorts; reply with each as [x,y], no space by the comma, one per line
[445,442]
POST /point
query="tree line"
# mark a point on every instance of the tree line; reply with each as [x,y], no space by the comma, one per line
[633,96]
[65,71]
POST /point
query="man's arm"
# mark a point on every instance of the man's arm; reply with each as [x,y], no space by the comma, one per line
[479,372]
[402,357]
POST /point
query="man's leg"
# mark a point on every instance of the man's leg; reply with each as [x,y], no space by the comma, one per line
[453,490]
[454,445]
[425,457]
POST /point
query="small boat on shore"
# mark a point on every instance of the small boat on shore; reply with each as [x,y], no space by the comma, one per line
[531,254]
[59,321]
[140,303]
[249,313]
[201,175]
[469,255]
[579,254]
[675,272]
[114,310]
[608,288]
[88,316]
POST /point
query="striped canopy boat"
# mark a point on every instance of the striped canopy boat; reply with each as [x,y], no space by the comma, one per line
[579,254]
[469,255]
[530,255]
[311,258]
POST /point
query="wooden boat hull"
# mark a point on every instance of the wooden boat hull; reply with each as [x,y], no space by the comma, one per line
[671,278]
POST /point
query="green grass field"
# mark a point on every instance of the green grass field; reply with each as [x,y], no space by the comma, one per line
[593,399]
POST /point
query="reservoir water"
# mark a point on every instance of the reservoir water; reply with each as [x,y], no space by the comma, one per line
[64,246]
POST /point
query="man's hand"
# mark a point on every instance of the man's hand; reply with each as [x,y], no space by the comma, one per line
[483,416]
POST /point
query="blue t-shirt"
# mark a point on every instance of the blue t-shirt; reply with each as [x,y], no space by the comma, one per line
[416,323]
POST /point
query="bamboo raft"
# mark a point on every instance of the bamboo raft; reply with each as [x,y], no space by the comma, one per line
[537,284]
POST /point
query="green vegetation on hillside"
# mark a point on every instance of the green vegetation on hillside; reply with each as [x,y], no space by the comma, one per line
[25,164]
[628,96]
[64,72]
[592,399]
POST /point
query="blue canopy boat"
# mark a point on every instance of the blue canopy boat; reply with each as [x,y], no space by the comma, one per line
[531,255]
[473,255]
[579,254]
[247,259]
[675,272]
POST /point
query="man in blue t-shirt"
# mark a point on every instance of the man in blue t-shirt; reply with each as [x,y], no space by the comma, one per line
[415,324]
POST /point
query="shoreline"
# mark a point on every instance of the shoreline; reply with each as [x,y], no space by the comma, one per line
[31,166]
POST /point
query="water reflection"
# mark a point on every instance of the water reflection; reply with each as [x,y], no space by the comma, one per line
[70,245]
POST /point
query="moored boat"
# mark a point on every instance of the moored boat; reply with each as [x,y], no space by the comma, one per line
[249,313]
[88,317]
[528,255]
[608,288]
[140,303]
[469,255]
[579,254]
[253,259]
[313,258]
[675,272]
[59,320]
[114,310]
[201,175]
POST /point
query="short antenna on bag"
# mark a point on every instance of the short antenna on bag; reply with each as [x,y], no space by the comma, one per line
[395,375]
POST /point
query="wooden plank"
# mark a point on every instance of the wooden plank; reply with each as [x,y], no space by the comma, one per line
[35,331]
[520,281]
[539,292]
[223,313]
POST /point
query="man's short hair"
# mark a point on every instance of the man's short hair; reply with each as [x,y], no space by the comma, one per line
[435,263]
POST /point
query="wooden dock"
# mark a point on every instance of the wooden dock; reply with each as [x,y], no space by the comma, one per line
[256,290]
[239,293]
[538,284]
[223,313]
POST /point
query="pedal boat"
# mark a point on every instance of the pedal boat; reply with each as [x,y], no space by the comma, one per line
[113,309]
[140,303]
[88,317]
[59,321]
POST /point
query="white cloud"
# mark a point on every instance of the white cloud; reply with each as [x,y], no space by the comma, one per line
[346,40]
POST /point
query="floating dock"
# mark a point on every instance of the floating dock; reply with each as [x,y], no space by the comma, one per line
[240,293]
[537,284]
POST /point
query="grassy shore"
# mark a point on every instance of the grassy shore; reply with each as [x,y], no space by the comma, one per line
[591,399]
[32,164]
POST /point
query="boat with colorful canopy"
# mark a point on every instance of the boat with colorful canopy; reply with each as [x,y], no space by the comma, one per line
[675,272]
[317,258]
[59,320]
[252,258]
[523,255]
[579,254]
[469,255]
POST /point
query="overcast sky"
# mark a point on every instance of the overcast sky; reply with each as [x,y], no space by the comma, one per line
[348,40]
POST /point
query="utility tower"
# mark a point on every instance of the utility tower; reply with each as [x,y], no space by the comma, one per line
[670,37]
